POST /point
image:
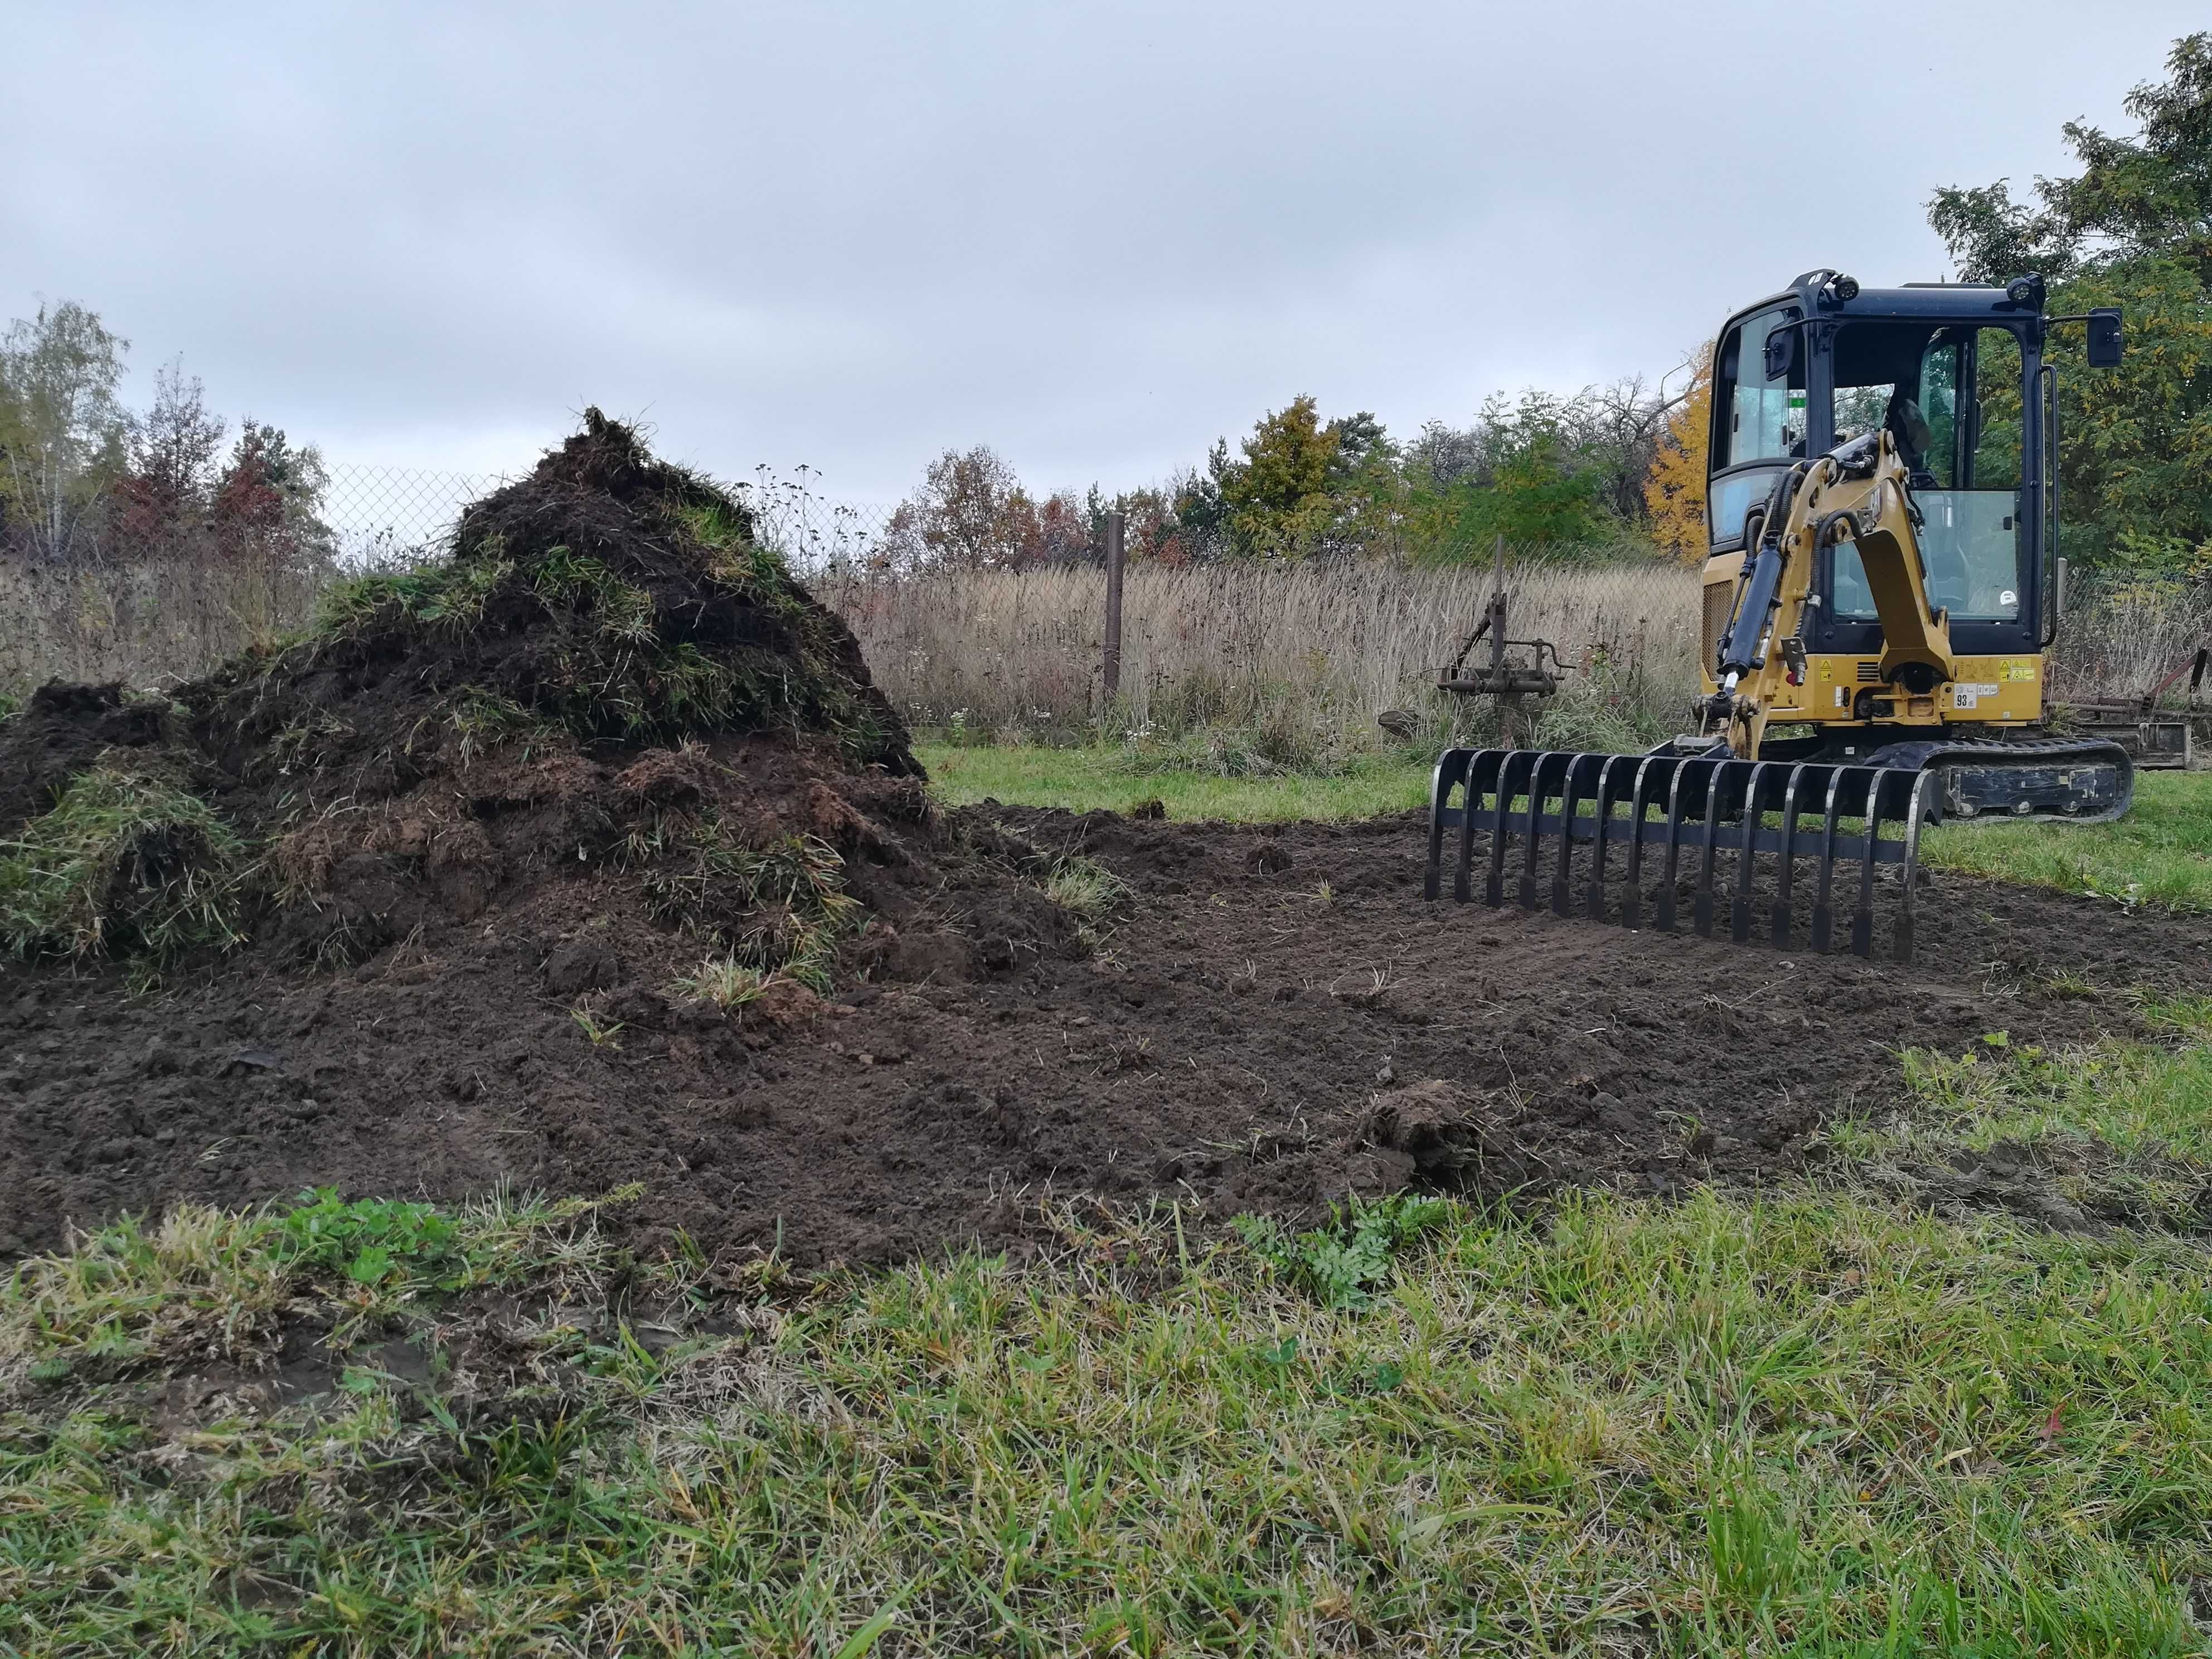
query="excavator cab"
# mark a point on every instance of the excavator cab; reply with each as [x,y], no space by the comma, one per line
[1882,501]
[1954,376]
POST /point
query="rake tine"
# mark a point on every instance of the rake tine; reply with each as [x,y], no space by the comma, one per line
[1606,785]
[1536,836]
[1451,768]
[1481,771]
[1664,918]
[1747,856]
[1493,891]
[1717,793]
[1632,904]
[1924,808]
[1862,918]
[1823,920]
[1568,782]
[1789,799]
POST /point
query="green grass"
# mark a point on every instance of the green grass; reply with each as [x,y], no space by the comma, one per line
[2120,1133]
[2160,854]
[1085,780]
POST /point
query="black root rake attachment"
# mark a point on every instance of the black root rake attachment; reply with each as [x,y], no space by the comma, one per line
[1642,810]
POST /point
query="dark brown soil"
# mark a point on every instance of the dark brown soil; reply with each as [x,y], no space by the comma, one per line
[1274,1019]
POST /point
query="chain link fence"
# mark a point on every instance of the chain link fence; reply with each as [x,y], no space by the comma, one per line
[380,515]
[152,616]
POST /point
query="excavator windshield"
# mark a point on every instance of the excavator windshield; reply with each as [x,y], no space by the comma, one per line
[1951,398]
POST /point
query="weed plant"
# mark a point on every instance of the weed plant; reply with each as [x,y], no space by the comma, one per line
[1085,888]
[1346,1261]
[726,981]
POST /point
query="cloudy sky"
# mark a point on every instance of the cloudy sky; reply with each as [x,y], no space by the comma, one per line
[851,234]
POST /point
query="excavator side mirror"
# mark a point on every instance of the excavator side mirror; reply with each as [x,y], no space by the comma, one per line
[2105,337]
[1781,351]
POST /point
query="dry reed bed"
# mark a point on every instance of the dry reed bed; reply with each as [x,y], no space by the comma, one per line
[1313,645]
[145,624]
[2120,639]
[1308,652]
[1326,646]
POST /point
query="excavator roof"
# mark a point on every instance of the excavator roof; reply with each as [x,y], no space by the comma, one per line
[1936,302]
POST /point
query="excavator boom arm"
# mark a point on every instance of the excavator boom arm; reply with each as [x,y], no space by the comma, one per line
[1859,492]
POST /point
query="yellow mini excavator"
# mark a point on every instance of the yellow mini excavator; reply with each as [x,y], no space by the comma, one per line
[1883,497]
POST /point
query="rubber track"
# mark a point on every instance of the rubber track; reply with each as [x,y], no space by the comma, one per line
[2031,751]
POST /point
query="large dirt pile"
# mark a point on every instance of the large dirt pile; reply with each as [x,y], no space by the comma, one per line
[610,685]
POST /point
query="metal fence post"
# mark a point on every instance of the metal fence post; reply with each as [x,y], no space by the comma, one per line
[1113,662]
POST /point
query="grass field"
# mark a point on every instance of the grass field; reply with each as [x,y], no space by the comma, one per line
[2161,853]
[1083,780]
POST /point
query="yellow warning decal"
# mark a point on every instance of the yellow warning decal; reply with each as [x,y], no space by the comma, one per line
[2017,669]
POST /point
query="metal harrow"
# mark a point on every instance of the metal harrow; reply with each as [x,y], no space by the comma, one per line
[1607,804]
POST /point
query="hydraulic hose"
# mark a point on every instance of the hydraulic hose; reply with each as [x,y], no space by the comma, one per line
[1762,586]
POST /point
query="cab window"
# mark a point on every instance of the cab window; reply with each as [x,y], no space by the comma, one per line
[1950,399]
[1756,417]
[1761,418]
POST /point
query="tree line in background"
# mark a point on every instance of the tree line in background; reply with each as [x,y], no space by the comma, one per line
[2133,228]
[84,480]
[1564,471]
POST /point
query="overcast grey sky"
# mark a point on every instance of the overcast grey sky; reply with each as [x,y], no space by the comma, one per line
[1093,236]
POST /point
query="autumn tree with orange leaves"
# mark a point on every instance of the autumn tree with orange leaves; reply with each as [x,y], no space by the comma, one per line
[1674,488]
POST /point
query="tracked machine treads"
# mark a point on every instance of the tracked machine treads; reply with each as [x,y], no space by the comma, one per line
[1883,499]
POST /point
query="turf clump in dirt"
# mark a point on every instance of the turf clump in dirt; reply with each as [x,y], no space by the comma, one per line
[127,862]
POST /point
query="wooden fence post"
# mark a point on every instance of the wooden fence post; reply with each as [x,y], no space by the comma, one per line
[1113,662]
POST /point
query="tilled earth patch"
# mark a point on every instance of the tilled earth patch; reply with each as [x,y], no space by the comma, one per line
[1272,1018]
